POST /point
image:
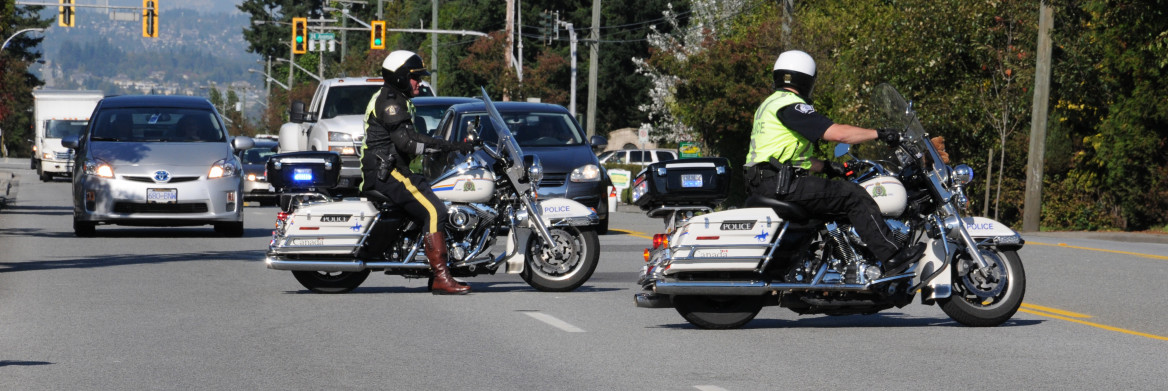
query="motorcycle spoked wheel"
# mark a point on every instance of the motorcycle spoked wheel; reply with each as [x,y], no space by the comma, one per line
[579,254]
[989,300]
[330,282]
[718,312]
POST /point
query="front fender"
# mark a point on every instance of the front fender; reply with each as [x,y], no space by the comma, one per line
[984,229]
[563,211]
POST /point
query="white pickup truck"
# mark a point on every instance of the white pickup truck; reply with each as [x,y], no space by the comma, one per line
[333,121]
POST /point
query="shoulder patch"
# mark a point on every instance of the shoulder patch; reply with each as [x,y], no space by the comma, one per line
[804,108]
[391,110]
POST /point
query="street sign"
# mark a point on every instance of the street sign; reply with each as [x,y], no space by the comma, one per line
[322,36]
[689,149]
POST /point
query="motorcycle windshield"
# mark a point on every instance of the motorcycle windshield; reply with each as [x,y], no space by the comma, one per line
[507,143]
[894,112]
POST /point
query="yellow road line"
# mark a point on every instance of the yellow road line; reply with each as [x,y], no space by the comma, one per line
[1099,249]
[1092,324]
[1055,311]
[632,233]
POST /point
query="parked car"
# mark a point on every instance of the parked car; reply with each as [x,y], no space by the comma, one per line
[157,161]
[546,130]
[255,181]
[641,157]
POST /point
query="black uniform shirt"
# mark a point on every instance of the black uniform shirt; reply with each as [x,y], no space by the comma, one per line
[803,118]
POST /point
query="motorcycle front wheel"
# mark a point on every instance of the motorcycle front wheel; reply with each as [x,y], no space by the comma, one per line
[564,264]
[718,312]
[330,282]
[989,297]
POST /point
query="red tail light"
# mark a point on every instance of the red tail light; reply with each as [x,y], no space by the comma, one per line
[660,241]
[282,216]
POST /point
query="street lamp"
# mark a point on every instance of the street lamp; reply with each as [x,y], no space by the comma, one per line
[314,76]
[39,30]
[269,77]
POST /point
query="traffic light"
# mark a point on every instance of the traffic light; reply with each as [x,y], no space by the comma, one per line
[150,18]
[66,13]
[544,27]
[377,35]
[299,35]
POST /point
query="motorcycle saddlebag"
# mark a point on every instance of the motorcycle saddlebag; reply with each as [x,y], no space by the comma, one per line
[333,228]
[304,170]
[696,181]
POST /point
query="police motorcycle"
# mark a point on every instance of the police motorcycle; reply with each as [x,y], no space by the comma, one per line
[331,246]
[719,269]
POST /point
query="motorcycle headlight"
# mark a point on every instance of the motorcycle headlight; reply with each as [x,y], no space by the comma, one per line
[99,168]
[534,168]
[962,175]
[586,173]
[224,169]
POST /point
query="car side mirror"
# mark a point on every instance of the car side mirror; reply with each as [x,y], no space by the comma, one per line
[598,142]
[241,143]
[70,142]
[296,114]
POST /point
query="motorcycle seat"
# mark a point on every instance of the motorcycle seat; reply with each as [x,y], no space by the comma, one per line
[381,201]
[787,211]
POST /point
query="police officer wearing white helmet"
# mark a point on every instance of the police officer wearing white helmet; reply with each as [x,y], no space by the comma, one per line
[786,128]
[391,142]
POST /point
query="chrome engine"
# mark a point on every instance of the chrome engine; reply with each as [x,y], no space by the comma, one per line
[467,222]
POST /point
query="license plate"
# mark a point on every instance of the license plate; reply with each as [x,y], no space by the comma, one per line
[308,242]
[161,196]
[691,180]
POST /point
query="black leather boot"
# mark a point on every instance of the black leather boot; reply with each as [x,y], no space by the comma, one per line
[903,258]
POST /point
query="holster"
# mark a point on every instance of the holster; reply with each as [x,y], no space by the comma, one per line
[771,176]
[384,166]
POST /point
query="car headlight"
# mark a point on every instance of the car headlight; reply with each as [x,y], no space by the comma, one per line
[586,173]
[47,156]
[343,149]
[340,137]
[223,169]
[99,168]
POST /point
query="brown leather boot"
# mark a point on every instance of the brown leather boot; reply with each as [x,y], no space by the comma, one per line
[436,253]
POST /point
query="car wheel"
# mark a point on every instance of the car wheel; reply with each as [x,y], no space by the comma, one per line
[602,227]
[84,229]
[231,230]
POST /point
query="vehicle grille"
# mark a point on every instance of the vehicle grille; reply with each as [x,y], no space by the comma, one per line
[146,179]
[133,207]
[67,155]
[553,180]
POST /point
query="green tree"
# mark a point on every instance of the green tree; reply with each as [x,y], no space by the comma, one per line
[16,83]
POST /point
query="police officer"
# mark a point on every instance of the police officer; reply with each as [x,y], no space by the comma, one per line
[786,126]
[391,142]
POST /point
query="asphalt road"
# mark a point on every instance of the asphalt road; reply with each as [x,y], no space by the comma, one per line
[181,308]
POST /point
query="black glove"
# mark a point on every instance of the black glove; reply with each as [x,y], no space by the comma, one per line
[835,169]
[889,136]
[462,147]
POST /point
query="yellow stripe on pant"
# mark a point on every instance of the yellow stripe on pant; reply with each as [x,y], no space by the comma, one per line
[421,199]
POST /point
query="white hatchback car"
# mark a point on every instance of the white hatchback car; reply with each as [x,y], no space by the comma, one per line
[157,161]
[642,157]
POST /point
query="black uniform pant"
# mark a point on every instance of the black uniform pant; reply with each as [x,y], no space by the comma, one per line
[412,193]
[836,199]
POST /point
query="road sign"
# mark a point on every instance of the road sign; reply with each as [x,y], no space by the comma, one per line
[689,149]
[322,36]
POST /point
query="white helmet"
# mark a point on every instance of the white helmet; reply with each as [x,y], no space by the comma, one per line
[795,69]
[400,66]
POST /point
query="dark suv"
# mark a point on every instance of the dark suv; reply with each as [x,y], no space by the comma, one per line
[545,130]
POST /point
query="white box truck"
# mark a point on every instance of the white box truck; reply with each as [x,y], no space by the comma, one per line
[59,114]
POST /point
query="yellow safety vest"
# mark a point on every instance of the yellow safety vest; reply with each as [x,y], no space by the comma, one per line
[770,138]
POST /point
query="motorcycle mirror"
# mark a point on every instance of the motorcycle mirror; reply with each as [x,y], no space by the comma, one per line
[472,135]
[842,149]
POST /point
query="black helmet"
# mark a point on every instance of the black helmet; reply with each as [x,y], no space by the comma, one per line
[795,69]
[399,67]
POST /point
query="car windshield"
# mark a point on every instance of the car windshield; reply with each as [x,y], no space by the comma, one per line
[257,155]
[348,100]
[56,128]
[158,124]
[531,129]
[426,118]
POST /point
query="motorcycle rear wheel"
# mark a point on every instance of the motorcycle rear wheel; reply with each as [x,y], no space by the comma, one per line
[330,282]
[718,312]
[986,302]
[579,254]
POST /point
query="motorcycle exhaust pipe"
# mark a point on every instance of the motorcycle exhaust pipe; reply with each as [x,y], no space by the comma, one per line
[751,288]
[652,300]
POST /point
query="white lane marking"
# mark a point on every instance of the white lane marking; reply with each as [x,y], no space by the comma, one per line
[710,388]
[554,322]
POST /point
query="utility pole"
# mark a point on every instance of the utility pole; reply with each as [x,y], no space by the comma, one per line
[509,26]
[433,44]
[1032,214]
[593,63]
